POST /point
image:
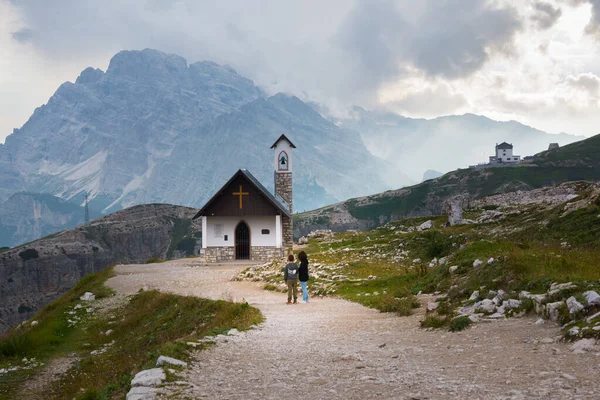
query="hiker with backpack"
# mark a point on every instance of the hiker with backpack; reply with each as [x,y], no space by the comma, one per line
[290,276]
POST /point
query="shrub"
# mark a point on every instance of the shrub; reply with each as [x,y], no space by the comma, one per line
[271,287]
[431,321]
[29,254]
[155,260]
[403,307]
[459,324]
[437,244]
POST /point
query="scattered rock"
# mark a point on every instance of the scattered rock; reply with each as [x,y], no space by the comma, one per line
[149,377]
[141,393]
[592,317]
[574,305]
[474,295]
[547,340]
[552,310]
[88,296]
[34,323]
[162,360]
[592,297]
[583,345]
[487,305]
[477,263]
[425,225]
[512,303]
[233,332]
[556,288]
[453,269]
[432,306]
[540,321]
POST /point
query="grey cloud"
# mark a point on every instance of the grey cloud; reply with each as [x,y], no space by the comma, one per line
[593,26]
[23,35]
[546,15]
[586,81]
[451,38]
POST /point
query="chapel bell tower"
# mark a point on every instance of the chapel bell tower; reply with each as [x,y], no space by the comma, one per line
[282,157]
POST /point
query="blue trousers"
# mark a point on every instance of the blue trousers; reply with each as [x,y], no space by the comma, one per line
[304,291]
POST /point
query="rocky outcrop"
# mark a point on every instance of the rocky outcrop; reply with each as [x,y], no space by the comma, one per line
[453,207]
[32,275]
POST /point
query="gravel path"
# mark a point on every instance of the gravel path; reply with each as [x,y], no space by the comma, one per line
[331,348]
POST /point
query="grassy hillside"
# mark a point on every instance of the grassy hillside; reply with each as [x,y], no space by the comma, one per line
[577,161]
[525,248]
[102,365]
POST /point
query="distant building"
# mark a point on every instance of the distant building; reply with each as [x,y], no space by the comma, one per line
[504,154]
[553,146]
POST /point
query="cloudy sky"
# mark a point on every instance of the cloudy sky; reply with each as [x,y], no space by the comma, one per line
[537,62]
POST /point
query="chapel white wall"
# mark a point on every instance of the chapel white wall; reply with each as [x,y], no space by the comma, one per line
[255,223]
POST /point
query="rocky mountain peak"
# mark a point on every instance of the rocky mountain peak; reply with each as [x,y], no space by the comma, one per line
[89,75]
[146,63]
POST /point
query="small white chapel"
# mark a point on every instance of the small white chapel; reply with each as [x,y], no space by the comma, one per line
[244,221]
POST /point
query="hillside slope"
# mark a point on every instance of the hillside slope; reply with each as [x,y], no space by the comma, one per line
[34,274]
[577,161]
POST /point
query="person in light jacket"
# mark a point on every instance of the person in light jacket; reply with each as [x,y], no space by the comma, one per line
[303,275]
[290,276]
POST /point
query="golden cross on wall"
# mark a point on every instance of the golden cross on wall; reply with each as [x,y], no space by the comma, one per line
[241,193]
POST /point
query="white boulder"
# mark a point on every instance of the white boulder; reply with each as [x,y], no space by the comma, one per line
[487,306]
[583,345]
[88,296]
[574,305]
[552,310]
[162,360]
[474,295]
[425,225]
[149,377]
[592,297]
[511,303]
[141,393]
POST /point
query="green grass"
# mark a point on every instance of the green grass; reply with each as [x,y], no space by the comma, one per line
[153,324]
[459,324]
[434,322]
[149,325]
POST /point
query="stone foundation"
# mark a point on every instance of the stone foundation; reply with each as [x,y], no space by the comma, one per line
[257,253]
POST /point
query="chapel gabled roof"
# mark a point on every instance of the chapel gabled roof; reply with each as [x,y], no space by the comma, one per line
[283,137]
[275,200]
[504,145]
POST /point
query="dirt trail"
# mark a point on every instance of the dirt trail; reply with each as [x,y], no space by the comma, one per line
[331,348]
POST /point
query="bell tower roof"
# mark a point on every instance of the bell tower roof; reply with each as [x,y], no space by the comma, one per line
[283,137]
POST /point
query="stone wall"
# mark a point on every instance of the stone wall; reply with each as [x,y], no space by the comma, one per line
[257,253]
[283,187]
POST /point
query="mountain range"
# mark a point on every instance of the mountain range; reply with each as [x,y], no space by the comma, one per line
[153,129]
[577,161]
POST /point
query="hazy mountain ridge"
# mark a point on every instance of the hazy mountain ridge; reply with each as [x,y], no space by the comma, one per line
[444,143]
[29,216]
